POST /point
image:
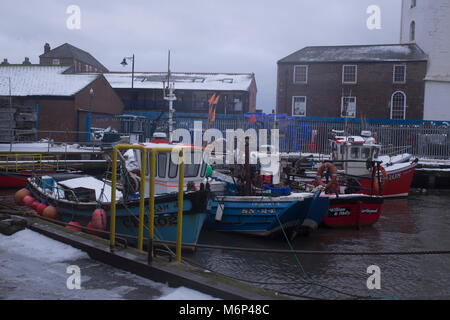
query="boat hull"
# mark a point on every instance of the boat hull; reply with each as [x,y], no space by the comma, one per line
[263,216]
[399,179]
[127,215]
[353,211]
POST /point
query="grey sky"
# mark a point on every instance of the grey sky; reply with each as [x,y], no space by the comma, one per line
[203,35]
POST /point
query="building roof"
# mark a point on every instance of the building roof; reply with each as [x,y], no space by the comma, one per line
[69,51]
[367,53]
[39,80]
[183,81]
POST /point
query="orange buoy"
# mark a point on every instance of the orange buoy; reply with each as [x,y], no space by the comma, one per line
[28,201]
[73,226]
[50,212]
[99,219]
[92,232]
[19,195]
[40,208]
[333,170]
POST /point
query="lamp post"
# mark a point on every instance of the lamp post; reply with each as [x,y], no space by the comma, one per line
[88,118]
[124,63]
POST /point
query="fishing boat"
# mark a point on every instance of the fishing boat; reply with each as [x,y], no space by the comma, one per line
[353,210]
[86,200]
[355,156]
[15,169]
[268,215]
[250,204]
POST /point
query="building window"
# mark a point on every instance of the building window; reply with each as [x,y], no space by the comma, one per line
[413,3]
[300,74]
[399,74]
[348,107]
[398,106]
[412,31]
[299,106]
[349,74]
[56,62]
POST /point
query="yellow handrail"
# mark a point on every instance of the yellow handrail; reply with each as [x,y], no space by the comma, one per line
[17,162]
[142,195]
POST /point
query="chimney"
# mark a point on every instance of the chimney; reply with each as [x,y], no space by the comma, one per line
[5,62]
[26,61]
[46,48]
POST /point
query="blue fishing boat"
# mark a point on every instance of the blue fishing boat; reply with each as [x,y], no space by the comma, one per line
[76,198]
[267,215]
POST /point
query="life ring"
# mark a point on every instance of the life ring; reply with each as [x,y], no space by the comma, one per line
[384,179]
[332,168]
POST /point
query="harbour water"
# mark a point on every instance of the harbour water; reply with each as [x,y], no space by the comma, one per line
[418,223]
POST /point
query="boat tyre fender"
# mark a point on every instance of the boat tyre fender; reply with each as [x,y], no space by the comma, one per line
[332,168]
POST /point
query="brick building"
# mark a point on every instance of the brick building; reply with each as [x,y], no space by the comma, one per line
[61,100]
[67,55]
[375,81]
[237,91]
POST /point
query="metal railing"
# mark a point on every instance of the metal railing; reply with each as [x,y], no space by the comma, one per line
[31,162]
[151,198]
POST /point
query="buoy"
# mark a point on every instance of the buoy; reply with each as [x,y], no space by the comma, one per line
[92,232]
[19,195]
[40,208]
[28,201]
[73,224]
[34,205]
[99,219]
[50,212]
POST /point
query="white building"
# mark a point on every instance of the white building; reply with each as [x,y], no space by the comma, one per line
[427,23]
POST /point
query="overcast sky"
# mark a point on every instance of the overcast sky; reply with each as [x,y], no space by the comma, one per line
[203,35]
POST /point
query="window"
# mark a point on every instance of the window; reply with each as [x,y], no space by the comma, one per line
[87,68]
[348,107]
[365,153]
[56,62]
[162,163]
[299,106]
[191,170]
[173,169]
[412,31]
[398,106]
[349,74]
[399,74]
[300,74]
[413,3]
[354,153]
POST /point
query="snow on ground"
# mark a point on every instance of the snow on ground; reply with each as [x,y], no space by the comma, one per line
[34,267]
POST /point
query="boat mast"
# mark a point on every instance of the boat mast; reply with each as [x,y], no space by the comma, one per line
[171,98]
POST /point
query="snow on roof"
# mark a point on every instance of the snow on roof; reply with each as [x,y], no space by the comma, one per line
[361,53]
[42,81]
[183,81]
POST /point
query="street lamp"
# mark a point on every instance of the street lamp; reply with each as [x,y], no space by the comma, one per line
[124,63]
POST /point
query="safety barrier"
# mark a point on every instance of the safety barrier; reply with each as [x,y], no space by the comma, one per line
[32,162]
[151,202]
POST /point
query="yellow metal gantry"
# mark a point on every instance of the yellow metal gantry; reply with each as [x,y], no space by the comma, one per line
[151,219]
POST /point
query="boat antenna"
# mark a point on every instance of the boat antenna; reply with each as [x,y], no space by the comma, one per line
[171,98]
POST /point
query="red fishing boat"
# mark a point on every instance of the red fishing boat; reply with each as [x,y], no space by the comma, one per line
[355,158]
[353,210]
